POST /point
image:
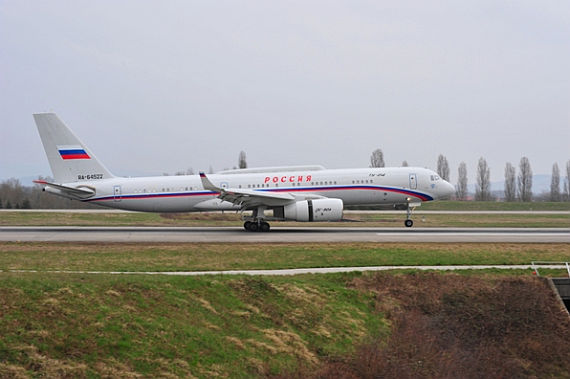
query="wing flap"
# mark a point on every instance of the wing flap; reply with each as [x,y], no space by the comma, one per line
[247,198]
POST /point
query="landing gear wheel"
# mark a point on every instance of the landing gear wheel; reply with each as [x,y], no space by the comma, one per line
[408,223]
[246,225]
[253,227]
[264,227]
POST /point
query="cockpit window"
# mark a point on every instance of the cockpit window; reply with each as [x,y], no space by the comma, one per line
[434,177]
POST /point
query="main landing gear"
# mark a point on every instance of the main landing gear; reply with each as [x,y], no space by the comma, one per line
[256,223]
[256,226]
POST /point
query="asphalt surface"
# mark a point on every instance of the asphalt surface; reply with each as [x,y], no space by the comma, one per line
[416,212]
[282,234]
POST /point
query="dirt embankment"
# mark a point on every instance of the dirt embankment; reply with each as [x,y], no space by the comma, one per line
[450,326]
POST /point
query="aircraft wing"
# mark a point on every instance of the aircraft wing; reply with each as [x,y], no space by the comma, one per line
[247,198]
[81,193]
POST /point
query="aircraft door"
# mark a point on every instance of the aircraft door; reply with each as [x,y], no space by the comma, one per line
[116,193]
[413,181]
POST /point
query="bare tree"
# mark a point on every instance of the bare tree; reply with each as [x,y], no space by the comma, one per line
[189,171]
[242,162]
[405,164]
[377,158]
[510,183]
[483,189]
[555,183]
[443,167]
[461,187]
[525,180]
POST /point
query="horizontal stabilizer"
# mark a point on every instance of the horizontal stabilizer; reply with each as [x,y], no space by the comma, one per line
[58,189]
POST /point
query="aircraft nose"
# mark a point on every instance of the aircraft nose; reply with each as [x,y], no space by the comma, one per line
[447,189]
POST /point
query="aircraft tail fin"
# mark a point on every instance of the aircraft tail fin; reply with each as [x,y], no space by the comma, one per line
[70,160]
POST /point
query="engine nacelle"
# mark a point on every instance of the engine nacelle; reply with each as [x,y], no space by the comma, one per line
[312,210]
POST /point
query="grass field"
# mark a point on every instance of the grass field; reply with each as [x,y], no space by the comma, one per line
[214,257]
[233,219]
[78,326]
[305,326]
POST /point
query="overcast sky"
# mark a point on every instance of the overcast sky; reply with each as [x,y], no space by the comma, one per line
[155,87]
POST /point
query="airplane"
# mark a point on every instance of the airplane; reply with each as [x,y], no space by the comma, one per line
[296,193]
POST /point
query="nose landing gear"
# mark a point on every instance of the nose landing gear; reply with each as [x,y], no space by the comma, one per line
[409,209]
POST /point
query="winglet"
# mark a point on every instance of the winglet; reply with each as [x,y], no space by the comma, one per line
[207,184]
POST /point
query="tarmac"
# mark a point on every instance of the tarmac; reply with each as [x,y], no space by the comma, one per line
[280,234]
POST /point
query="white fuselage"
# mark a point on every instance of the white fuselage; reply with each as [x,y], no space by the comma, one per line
[401,185]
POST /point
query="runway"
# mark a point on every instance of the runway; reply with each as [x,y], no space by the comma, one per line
[281,234]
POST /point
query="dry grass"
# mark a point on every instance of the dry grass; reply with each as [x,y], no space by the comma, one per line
[448,326]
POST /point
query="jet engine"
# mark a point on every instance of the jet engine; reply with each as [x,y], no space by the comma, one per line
[311,210]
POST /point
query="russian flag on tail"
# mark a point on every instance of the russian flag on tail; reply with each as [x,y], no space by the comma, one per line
[72,152]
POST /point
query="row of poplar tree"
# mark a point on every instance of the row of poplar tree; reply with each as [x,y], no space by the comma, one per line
[517,187]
